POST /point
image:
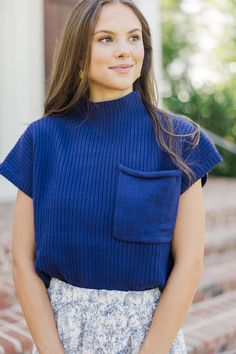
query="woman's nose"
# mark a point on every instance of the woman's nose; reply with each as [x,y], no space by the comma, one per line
[123,54]
[123,49]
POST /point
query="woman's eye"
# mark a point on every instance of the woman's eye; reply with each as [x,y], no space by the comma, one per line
[101,39]
[136,37]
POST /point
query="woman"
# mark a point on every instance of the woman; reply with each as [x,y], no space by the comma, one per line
[108,235]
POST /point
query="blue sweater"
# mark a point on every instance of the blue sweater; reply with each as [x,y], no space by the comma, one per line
[105,195]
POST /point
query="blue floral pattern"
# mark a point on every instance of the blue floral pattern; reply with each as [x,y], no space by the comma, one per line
[101,321]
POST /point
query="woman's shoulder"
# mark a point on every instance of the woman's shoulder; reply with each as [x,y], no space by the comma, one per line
[182,124]
[43,125]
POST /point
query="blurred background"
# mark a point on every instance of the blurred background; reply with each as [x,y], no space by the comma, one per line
[194,44]
[199,68]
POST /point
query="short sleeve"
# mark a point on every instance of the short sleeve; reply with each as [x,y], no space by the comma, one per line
[17,166]
[201,159]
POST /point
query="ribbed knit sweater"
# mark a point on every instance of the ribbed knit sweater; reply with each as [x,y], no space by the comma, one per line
[105,195]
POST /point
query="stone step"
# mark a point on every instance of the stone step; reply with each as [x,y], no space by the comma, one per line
[223,215]
[219,275]
[219,199]
[210,325]
[14,334]
[220,237]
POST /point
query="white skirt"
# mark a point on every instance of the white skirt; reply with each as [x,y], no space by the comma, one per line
[101,321]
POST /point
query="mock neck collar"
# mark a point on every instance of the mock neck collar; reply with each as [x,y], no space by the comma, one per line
[128,104]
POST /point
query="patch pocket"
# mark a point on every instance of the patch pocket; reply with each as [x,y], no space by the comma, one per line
[146,205]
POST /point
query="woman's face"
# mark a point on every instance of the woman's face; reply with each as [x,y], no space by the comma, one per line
[124,45]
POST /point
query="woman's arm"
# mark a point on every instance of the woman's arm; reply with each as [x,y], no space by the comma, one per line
[188,253]
[30,289]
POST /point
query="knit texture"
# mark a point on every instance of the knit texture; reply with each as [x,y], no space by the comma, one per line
[105,195]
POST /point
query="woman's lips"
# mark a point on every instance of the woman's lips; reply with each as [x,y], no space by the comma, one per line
[122,70]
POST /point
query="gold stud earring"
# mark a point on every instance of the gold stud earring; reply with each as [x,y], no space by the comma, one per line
[81,74]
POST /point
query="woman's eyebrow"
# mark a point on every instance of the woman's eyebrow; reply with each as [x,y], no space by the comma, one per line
[106,31]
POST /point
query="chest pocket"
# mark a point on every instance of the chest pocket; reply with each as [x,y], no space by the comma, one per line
[146,205]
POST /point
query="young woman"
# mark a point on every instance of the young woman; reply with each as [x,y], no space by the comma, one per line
[108,233]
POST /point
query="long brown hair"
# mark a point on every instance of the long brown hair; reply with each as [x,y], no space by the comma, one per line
[73,52]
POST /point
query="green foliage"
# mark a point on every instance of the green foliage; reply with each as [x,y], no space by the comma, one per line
[207,99]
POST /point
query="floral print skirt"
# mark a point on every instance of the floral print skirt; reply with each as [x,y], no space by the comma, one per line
[101,321]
